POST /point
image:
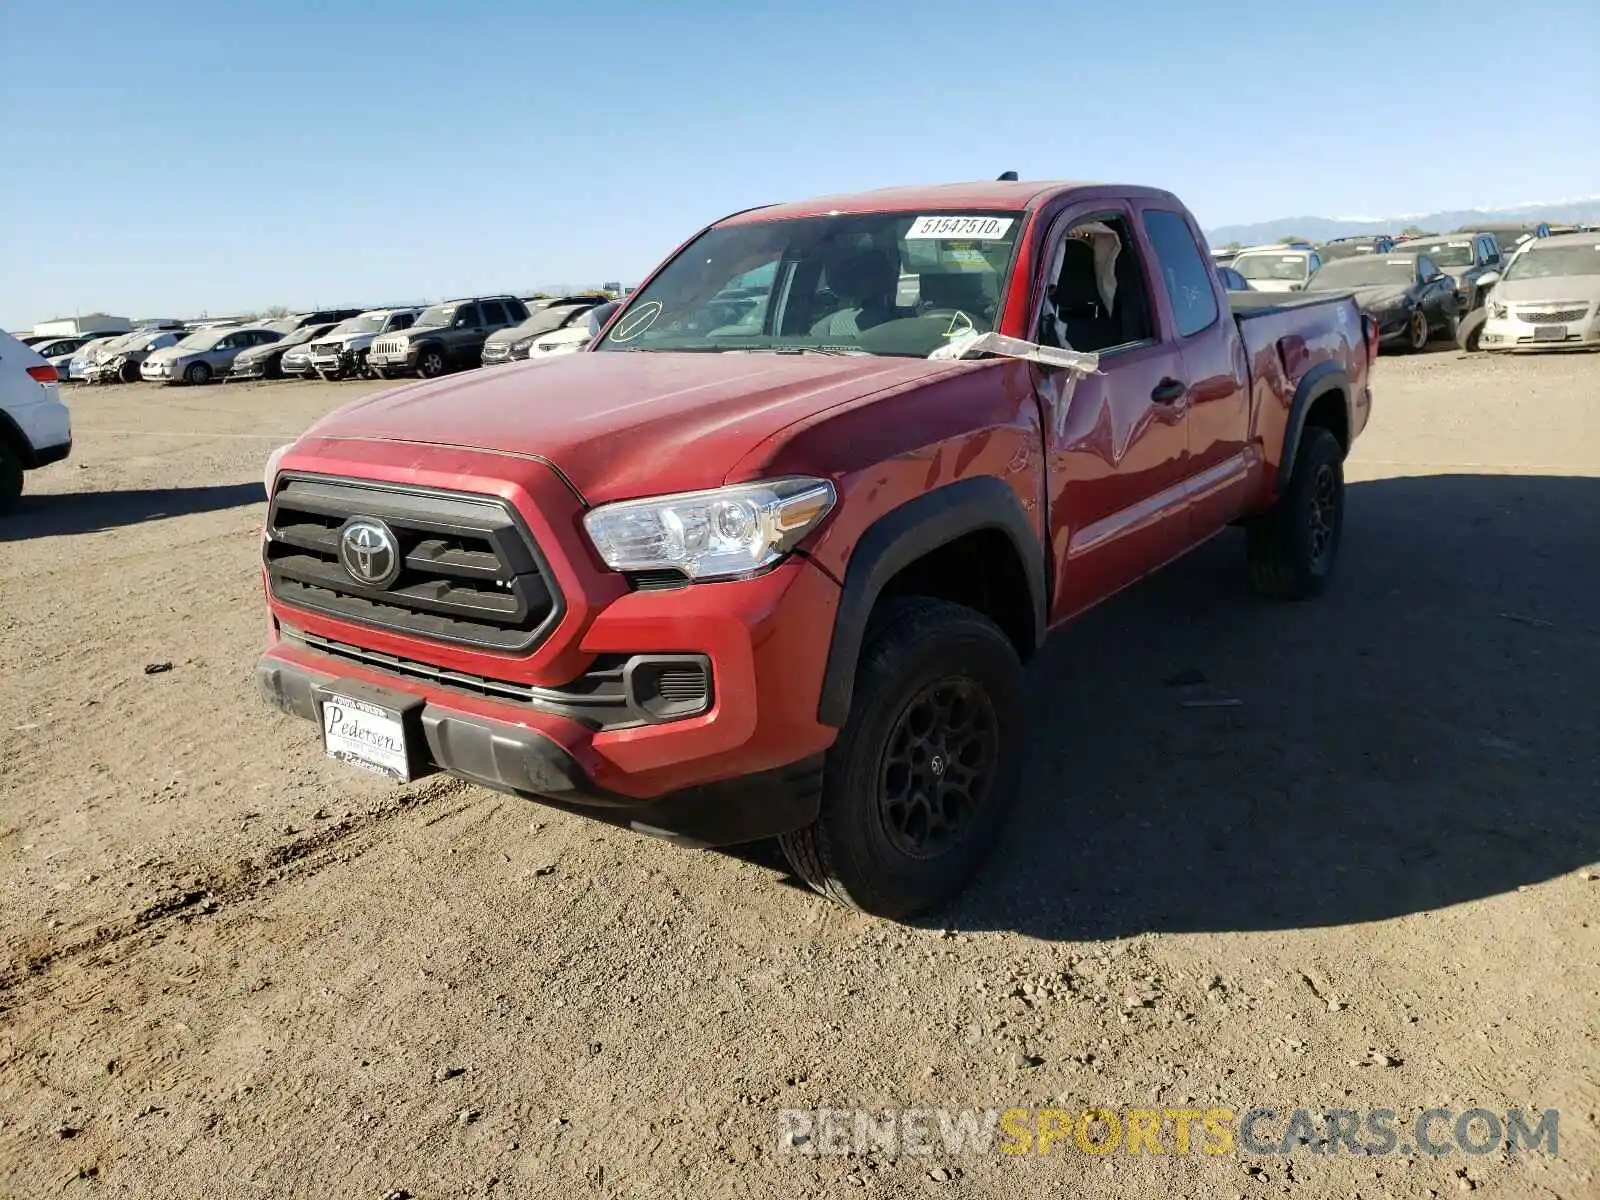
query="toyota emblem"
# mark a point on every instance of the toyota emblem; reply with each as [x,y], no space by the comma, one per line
[369,553]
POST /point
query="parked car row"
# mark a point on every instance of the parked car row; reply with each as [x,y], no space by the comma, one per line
[1481,286]
[379,343]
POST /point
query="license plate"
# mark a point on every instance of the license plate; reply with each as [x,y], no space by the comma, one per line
[365,735]
[1550,333]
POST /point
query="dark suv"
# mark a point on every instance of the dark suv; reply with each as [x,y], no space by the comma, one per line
[445,336]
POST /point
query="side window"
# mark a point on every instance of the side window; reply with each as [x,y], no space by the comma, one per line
[227,343]
[1098,299]
[494,313]
[467,316]
[1183,271]
[516,312]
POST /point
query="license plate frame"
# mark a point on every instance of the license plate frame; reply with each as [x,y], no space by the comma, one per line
[1549,333]
[372,729]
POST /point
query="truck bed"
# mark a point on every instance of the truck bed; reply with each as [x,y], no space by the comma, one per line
[1246,305]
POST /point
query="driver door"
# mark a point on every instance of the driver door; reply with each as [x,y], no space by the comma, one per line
[1116,443]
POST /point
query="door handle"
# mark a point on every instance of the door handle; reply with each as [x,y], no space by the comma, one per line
[1169,391]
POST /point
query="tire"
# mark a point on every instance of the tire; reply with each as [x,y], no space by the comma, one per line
[1470,329]
[1291,550]
[10,476]
[197,374]
[128,372]
[379,372]
[1417,332]
[430,362]
[273,369]
[923,659]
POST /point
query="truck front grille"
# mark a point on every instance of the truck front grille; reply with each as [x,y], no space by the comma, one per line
[464,569]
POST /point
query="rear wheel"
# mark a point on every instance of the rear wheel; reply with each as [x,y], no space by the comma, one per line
[1470,329]
[197,374]
[919,783]
[10,476]
[1291,550]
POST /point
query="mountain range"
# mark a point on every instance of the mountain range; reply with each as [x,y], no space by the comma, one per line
[1320,229]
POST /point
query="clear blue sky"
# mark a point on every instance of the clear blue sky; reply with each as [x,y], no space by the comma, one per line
[161,159]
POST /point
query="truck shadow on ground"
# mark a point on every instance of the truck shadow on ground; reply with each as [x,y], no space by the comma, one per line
[1422,735]
[61,513]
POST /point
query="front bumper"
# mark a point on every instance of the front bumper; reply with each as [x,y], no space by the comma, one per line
[500,352]
[341,363]
[156,372]
[512,756]
[296,366]
[253,369]
[766,640]
[1513,332]
[388,360]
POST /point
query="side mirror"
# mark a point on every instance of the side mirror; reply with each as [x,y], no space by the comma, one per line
[1488,279]
[599,315]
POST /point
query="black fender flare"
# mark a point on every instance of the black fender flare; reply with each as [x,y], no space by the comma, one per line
[1321,379]
[896,540]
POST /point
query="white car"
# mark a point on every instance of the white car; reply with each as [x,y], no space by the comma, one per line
[35,427]
[84,359]
[342,351]
[1548,297]
[1277,268]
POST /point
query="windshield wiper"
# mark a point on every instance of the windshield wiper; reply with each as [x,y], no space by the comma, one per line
[834,351]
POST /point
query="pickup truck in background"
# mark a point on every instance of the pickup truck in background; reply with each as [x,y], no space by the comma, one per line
[779,577]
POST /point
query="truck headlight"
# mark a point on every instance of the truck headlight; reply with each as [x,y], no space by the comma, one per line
[273,460]
[714,534]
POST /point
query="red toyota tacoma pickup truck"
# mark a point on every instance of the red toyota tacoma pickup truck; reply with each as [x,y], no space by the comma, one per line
[767,559]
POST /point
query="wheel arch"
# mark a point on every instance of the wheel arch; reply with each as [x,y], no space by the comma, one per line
[1322,398]
[929,546]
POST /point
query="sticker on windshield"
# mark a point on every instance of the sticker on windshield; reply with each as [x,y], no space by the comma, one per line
[983,229]
[635,323]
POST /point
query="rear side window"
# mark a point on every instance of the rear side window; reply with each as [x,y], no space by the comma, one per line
[1183,271]
[516,311]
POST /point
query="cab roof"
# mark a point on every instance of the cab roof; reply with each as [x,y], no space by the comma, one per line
[987,196]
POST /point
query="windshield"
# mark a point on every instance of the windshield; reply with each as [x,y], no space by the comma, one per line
[366,323]
[304,334]
[543,321]
[1271,266]
[878,283]
[1552,262]
[1364,272]
[1335,250]
[438,314]
[1451,252]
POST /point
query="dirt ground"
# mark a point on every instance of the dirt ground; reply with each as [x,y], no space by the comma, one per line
[231,968]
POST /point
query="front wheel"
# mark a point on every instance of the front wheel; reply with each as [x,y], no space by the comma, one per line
[197,374]
[431,364]
[919,782]
[1291,549]
[1417,332]
[128,372]
[1470,329]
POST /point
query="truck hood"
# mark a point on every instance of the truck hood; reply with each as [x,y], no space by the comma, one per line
[620,425]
